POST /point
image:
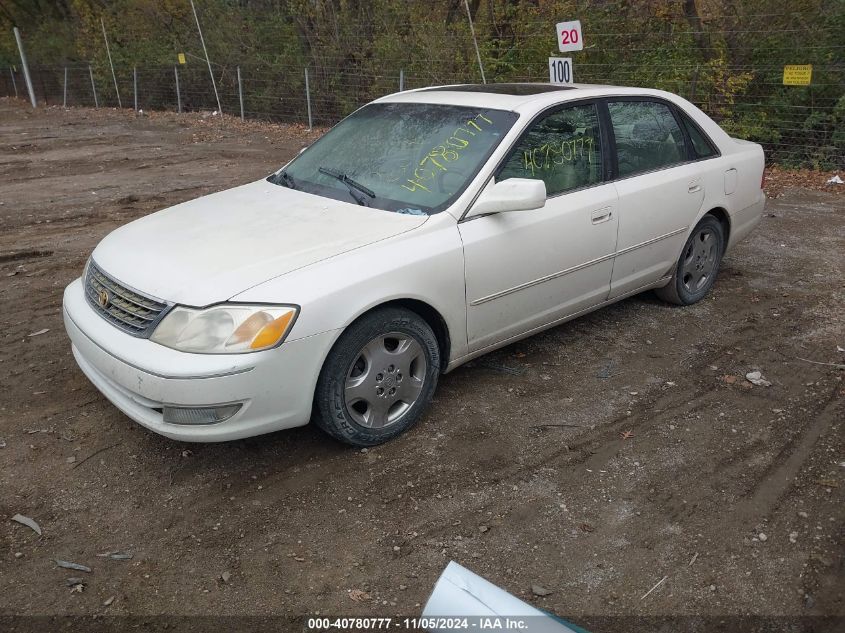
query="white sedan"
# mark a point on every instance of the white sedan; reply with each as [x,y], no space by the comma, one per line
[427,228]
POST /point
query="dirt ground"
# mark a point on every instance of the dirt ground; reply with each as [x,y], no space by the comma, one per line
[592,460]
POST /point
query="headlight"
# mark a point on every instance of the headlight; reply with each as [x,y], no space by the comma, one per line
[225,329]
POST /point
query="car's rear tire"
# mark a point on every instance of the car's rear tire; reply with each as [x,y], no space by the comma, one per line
[378,378]
[698,264]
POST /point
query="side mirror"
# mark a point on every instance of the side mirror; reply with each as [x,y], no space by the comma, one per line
[512,194]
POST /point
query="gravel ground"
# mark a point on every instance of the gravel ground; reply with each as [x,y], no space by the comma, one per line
[593,459]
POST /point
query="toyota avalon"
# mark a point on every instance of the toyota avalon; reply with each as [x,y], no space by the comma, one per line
[426,229]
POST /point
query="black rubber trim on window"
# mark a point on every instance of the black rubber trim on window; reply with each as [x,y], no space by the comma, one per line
[611,160]
[689,149]
[679,117]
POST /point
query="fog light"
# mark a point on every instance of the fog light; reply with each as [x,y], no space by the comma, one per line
[199,415]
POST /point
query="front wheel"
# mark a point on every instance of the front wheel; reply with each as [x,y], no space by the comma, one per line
[378,379]
[698,265]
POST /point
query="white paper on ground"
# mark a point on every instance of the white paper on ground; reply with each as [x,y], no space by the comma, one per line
[461,593]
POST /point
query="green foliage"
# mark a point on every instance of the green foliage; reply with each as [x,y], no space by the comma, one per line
[725,56]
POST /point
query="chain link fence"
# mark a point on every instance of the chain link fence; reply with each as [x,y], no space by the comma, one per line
[806,128]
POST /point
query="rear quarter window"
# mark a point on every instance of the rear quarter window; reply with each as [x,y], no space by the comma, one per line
[701,145]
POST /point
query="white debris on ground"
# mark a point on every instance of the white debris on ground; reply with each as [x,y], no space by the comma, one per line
[756,378]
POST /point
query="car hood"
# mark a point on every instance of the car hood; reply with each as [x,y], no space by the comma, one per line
[212,248]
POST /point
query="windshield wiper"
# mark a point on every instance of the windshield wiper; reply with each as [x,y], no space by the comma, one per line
[353,186]
[284,178]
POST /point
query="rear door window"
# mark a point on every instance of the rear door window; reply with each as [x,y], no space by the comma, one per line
[648,136]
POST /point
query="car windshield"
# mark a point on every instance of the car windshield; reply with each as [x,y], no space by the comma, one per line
[412,158]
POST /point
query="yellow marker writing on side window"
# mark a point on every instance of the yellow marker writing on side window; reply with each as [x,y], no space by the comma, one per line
[547,156]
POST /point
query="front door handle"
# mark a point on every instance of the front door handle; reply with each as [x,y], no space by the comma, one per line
[602,215]
[694,186]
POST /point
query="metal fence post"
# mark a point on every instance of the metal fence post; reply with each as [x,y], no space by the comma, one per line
[14,83]
[93,86]
[178,94]
[207,60]
[108,52]
[475,42]
[240,93]
[64,99]
[308,101]
[401,80]
[135,85]
[25,67]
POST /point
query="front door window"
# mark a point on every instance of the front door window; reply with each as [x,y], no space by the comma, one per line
[563,149]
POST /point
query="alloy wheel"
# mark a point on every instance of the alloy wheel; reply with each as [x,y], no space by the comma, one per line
[700,260]
[385,380]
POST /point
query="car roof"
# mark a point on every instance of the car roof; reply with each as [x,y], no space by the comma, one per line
[515,89]
[519,97]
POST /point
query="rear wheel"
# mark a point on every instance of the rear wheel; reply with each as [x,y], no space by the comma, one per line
[698,265]
[378,378]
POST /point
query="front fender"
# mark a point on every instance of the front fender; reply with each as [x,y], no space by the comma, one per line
[425,264]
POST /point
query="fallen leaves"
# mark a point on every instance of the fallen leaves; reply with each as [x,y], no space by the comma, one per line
[77,585]
[358,595]
[779,179]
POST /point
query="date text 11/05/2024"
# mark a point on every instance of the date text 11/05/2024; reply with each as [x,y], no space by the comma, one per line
[481,623]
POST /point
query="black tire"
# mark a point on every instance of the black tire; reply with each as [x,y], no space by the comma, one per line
[702,255]
[352,390]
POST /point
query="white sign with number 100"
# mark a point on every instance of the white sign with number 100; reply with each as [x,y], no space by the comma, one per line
[560,70]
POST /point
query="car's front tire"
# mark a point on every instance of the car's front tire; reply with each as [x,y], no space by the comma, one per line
[378,378]
[698,265]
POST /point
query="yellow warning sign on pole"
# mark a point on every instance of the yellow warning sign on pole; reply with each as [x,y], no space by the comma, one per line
[182,59]
[799,75]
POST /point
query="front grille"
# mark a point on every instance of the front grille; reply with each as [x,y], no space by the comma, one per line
[126,309]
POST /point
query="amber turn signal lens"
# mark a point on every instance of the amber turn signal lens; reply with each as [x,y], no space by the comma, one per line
[271,333]
[249,329]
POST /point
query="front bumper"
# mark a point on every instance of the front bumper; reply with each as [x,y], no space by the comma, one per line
[276,387]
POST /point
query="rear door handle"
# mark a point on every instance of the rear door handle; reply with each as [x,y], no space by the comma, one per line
[602,215]
[694,186]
